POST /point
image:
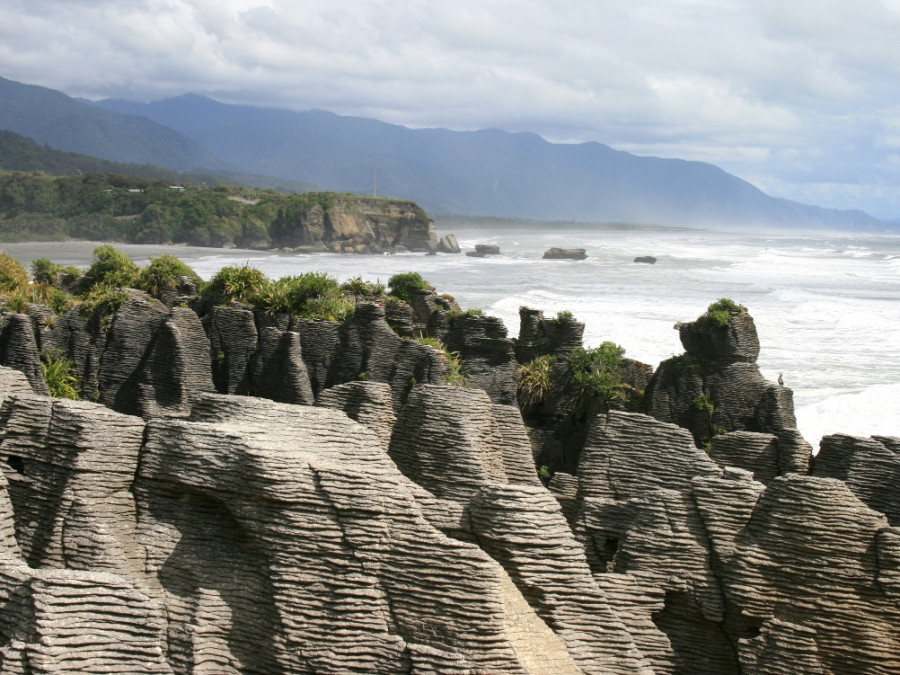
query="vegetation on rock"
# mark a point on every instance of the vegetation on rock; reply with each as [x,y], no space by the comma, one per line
[721,312]
[13,276]
[162,274]
[405,285]
[59,373]
[535,382]
[597,375]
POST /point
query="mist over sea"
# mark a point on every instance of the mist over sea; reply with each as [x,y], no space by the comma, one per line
[826,305]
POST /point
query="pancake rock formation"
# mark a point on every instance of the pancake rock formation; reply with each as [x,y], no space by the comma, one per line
[252,492]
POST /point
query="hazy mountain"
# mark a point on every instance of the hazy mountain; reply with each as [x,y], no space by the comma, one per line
[487,172]
[61,122]
[480,173]
[18,153]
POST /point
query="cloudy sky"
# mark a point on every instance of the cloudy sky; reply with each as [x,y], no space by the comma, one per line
[799,97]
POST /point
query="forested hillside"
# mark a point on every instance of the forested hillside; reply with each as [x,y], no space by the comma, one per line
[112,207]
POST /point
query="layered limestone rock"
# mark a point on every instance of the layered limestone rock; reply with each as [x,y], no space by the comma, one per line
[522,527]
[13,383]
[810,556]
[72,621]
[637,516]
[19,349]
[399,525]
[539,335]
[353,224]
[715,387]
[312,555]
[870,467]
[488,355]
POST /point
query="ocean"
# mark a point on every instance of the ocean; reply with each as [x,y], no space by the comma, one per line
[826,305]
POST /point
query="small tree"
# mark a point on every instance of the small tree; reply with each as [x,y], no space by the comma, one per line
[405,285]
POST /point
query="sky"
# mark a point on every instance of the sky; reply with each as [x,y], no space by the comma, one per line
[799,97]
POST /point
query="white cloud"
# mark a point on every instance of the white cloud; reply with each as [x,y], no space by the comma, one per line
[802,92]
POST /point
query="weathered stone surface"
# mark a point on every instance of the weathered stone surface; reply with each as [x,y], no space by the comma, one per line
[447,440]
[538,336]
[809,556]
[351,223]
[277,370]
[177,369]
[304,534]
[233,342]
[870,467]
[737,340]
[19,350]
[716,388]
[518,456]
[488,355]
[522,527]
[755,452]
[368,403]
[68,621]
[254,536]
[70,465]
[565,254]
[638,517]
[13,383]
[781,648]
[628,455]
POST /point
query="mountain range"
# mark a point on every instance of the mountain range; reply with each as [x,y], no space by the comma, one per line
[478,173]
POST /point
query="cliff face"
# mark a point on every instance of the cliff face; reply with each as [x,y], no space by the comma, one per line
[256,493]
[353,224]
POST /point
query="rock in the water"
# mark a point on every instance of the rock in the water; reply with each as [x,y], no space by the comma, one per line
[565,254]
[448,244]
[646,259]
[482,250]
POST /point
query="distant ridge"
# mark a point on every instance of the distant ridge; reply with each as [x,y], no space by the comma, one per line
[59,121]
[18,153]
[479,173]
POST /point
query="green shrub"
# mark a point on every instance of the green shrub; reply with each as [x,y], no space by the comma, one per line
[51,296]
[13,276]
[307,295]
[405,285]
[333,306]
[242,283]
[358,288]
[102,301]
[161,275]
[597,375]
[44,271]
[535,382]
[431,342]
[16,303]
[722,310]
[59,373]
[564,315]
[705,404]
[110,268]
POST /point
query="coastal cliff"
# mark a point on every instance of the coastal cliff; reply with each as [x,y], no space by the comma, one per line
[251,491]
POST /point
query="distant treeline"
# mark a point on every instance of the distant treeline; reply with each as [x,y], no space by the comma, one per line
[112,207]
